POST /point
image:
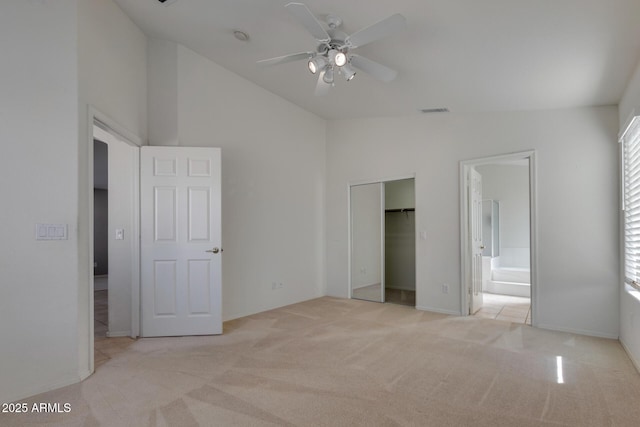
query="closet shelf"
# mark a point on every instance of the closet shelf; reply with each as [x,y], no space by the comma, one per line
[401,210]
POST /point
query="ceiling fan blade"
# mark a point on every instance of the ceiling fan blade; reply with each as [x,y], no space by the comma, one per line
[286,58]
[384,28]
[322,87]
[309,21]
[375,69]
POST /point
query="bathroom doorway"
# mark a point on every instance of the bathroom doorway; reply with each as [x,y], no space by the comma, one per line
[383,241]
[498,259]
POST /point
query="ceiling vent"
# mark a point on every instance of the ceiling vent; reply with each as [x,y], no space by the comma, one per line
[433,110]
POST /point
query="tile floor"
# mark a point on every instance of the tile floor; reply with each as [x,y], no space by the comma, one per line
[104,347]
[506,308]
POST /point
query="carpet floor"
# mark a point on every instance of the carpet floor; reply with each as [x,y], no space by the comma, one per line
[340,362]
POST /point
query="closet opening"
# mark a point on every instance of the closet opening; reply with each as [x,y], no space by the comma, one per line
[383,241]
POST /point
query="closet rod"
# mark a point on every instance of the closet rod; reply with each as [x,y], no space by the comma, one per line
[401,210]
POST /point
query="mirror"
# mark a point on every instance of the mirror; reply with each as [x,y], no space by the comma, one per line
[367,280]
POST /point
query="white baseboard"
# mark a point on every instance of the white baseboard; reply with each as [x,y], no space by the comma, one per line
[576,331]
[635,361]
[438,310]
[85,374]
[40,389]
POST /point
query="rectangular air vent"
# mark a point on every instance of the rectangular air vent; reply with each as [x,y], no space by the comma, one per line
[433,110]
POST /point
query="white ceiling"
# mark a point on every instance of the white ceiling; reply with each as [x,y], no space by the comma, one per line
[465,55]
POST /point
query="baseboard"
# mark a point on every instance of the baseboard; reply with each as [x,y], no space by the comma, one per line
[85,374]
[438,310]
[576,331]
[118,334]
[635,361]
[41,389]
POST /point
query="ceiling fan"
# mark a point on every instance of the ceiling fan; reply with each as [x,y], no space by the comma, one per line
[333,54]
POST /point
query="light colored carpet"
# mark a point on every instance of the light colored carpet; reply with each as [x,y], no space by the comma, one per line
[337,362]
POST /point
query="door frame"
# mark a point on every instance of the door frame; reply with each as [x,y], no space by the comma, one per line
[349,237]
[465,247]
[106,123]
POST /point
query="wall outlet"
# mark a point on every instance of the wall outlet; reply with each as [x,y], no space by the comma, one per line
[276,285]
[445,288]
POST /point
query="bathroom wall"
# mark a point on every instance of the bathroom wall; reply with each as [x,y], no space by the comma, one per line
[508,184]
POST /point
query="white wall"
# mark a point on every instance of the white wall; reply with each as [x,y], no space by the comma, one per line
[83,52]
[630,299]
[509,185]
[399,194]
[273,162]
[162,85]
[577,187]
[39,163]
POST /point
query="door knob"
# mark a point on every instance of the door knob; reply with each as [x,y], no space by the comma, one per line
[482,247]
[214,250]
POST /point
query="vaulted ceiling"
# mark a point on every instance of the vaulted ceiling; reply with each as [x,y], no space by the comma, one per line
[464,55]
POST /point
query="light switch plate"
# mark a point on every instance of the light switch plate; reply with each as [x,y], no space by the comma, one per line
[119,234]
[51,232]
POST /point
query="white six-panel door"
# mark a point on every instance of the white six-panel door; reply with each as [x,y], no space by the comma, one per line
[180,241]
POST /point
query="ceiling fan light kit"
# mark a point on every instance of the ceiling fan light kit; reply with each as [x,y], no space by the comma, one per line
[317,64]
[333,52]
[328,76]
[348,72]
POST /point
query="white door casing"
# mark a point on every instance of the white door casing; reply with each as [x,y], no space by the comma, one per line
[475,234]
[180,192]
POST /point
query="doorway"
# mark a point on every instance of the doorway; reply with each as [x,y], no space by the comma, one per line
[383,241]
[498,237]
[100,242]
[114,247]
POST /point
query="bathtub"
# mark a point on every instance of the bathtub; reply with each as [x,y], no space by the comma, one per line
[510,281]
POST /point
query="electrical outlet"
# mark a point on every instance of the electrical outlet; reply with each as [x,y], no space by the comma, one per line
[445,288]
